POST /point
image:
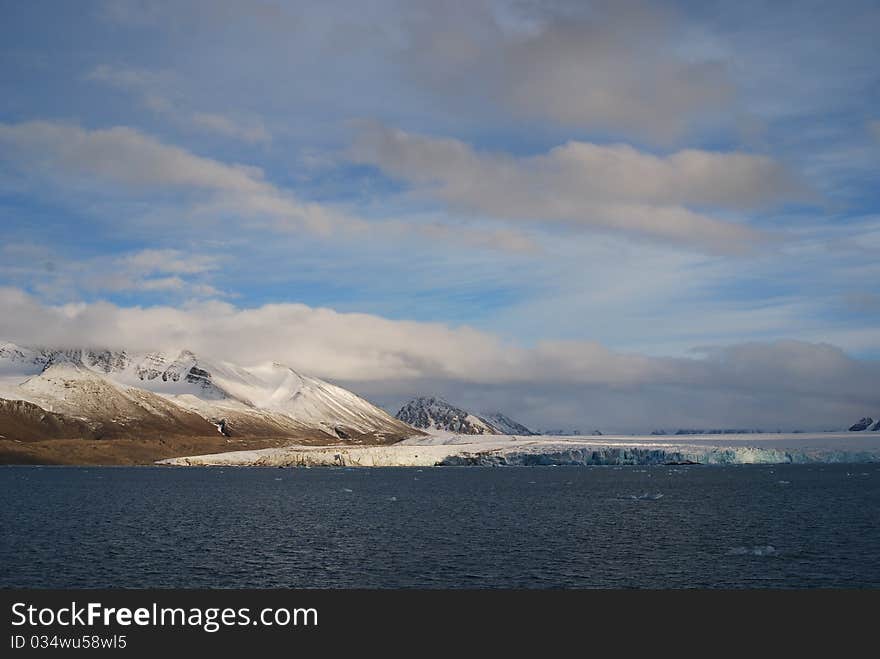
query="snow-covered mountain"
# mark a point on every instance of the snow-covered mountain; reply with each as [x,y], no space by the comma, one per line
[430,413]
[107,394]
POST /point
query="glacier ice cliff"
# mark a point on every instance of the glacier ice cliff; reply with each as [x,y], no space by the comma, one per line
[495,450]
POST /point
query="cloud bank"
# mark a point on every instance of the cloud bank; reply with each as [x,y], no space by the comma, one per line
[795,383]
[589,185]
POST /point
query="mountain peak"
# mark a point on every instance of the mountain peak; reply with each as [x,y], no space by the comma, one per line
[864,424]
[435,413]
[140,390]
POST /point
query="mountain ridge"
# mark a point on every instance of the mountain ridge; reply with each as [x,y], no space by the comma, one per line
[434,413]
[865,424]
[69,393]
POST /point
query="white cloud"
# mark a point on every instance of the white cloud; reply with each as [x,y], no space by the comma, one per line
[124,156]
[607,65]
[155,91]
[799,379]
[170,271]
[139,164]
[254,133]
[610,187]
[169,261]
[149,270]
[127,78]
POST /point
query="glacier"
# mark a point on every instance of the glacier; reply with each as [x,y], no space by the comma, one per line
[447,449]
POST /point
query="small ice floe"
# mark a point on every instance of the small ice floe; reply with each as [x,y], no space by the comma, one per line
[392,498]
[277,479]
[346,489]
[647,496]
[757,550]
[783,482]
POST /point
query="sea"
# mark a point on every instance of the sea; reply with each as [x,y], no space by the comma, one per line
[671,526]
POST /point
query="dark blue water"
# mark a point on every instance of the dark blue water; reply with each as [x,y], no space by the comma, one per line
[534,527]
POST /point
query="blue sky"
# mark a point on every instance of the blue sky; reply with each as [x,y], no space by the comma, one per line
[657,179]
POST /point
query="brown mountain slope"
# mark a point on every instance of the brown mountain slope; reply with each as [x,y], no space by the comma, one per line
[30,434]
[26,422]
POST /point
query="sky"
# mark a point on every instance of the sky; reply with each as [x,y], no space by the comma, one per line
[587,215]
